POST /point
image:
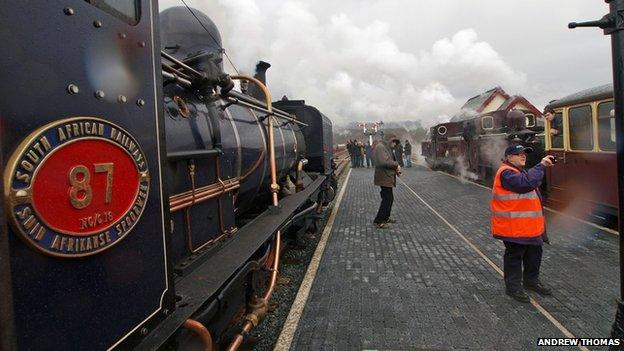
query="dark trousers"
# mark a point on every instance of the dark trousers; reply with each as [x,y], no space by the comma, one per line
[518,256]
[387,198]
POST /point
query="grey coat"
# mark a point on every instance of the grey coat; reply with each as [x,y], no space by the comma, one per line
[385,165]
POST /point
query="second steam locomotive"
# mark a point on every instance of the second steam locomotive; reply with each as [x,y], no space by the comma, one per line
[580,134]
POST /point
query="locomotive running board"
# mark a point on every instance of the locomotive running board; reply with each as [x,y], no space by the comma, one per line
[204,282]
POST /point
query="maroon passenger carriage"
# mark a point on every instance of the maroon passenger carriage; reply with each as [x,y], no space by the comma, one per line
[582,137]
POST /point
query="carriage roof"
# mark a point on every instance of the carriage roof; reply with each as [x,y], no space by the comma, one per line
[591,94]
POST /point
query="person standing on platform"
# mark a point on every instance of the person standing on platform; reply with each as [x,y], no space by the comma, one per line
[386,170]
[398,151]
[356,154]
[408,154]
[369,155]
[362,151]
[518,220]
[351,153]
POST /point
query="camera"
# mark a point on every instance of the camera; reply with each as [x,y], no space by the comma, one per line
[554,159]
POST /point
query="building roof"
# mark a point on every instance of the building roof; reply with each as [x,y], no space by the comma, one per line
[477,103]
[510,100]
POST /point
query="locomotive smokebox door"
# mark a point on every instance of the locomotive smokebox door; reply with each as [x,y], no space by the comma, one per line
[81,141]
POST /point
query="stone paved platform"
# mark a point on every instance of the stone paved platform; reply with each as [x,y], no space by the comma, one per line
[419,286]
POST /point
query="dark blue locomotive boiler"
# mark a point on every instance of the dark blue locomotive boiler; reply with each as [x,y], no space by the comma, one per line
[145,199]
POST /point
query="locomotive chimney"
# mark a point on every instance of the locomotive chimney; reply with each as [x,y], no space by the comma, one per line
[261,68]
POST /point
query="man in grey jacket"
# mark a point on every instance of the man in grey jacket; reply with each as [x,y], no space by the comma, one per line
[386,170]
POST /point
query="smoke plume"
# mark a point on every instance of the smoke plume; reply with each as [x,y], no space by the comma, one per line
[353,71]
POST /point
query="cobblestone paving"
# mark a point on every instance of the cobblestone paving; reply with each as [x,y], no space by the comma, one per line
[581,265]
[419,286]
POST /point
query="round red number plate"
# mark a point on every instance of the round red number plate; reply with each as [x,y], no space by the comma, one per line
[77,186]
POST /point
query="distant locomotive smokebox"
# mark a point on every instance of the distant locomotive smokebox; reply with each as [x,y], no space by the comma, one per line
[516,119]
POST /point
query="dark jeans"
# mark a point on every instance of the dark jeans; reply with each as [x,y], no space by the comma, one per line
[518,256]
[386,205]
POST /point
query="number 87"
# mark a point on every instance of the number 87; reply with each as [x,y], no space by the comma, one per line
[82,184]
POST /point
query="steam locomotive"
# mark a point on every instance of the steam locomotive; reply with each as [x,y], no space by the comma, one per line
[145,199]
[581,135]
[473,147]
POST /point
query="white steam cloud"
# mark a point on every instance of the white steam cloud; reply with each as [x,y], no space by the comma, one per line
[356,72]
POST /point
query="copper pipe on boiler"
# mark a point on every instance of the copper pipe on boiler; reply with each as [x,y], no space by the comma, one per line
[269,103]
[216,190]
[201,332]
[259,307]
[187,211]
[258,161]
[211,193]
[186,196]
[217,193]
[219,202]
[274,270]
[202,194]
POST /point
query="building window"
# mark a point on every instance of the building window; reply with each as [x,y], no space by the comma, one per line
[487,122]
[441,130]
[606,126]
[128,11]
[581,137]
[530,120]
[556,131]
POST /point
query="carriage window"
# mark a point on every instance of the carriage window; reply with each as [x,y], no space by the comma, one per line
[487,122]
[530,120]
[606,126]
[441,130]
[556,131]
[126,10]
[581,128]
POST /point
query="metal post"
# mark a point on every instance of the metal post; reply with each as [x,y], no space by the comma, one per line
[613,24]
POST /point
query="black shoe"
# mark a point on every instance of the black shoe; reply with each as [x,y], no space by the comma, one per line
[518,295]
[391,220]
[539,288]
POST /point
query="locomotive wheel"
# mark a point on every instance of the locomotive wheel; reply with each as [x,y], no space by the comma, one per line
[329,195]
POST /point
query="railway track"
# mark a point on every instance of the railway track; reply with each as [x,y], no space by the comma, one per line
[342,162]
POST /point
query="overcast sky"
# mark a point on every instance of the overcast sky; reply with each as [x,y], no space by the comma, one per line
[397,60]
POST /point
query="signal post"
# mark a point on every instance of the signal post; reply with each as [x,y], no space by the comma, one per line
[613,25]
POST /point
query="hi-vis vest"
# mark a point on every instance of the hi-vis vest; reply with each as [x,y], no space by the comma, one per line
[514,215]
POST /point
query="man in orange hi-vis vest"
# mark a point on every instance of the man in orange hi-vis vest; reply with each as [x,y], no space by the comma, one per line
[518,220]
